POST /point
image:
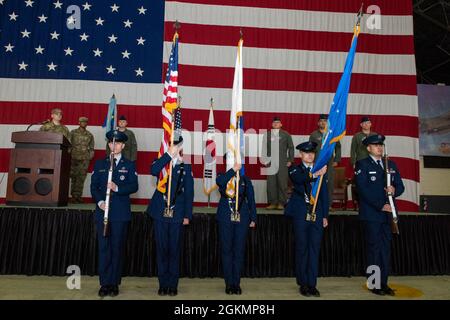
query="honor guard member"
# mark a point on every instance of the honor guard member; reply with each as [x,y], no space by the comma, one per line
[308,234]
[55,125]
[358,150]
[232,233]
[374,208]
[316,136]
[168,222]
[130,149]
[124,182]
[82,152]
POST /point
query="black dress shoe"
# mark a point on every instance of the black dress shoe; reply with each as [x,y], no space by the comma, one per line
[173,292]
[163,291]
[114,291]
[229,290]
[104,291]
[314,292]
[237,290]
[388,291]
[377,292]
[304,291]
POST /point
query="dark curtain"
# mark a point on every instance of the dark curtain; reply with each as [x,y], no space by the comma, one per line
[47,241]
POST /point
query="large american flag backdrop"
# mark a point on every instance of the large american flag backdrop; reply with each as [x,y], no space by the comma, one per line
[294,55]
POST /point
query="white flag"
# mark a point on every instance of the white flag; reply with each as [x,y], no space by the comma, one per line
[233,143]
[209,170]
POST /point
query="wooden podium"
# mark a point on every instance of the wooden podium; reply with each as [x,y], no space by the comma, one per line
[39,169]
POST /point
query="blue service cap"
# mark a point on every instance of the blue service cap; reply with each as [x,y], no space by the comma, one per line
[323,117]
[308,146]
[374,139]
[120,136]
[122,117]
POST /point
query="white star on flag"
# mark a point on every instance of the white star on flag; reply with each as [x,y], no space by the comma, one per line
[84,37]
[97,53]
[142,10]
[54,35]
[126,54]
[140,41]
[9,48]
[114,8]
[25,33]
[99,21]
[13,16]
[112,38]
[139,72]
[128,23]
[82,68]
[111,69]
[28,3]
[22,66]
[87,6]
[52,67]
[68,51]
[39,50]
[71,20]
[42,18]
[57,4]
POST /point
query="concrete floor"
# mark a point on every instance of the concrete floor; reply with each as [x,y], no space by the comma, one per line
[133,288]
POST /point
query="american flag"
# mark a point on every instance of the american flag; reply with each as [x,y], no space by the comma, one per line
[170,103]
[294,56]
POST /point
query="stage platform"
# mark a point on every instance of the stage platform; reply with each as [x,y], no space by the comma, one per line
[281,289]
[45,241]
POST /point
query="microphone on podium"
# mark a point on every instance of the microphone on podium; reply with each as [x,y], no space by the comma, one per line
[41,123]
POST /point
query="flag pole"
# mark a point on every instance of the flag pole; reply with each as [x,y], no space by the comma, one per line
[170,168]
[176,27]
[211,103]
[238,160]
[238,149]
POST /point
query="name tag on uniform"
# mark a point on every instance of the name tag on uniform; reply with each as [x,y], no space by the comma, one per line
[372,172]
[102,170]
[123,170]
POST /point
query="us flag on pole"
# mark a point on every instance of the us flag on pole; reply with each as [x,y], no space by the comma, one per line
[170,101]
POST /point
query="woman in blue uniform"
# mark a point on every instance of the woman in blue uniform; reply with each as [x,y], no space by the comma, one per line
[233,234]
[168,227]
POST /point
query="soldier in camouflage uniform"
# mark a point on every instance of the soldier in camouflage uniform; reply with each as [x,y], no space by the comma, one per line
[130,150]
[82,153]
[55,125]
[316,136]
[358,150]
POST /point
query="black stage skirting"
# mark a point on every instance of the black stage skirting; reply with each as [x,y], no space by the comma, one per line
[47,241]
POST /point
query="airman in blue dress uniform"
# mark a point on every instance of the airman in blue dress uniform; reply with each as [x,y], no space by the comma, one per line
[169,230]
[374,208]
[124,182]
[308,234]
[233,234]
